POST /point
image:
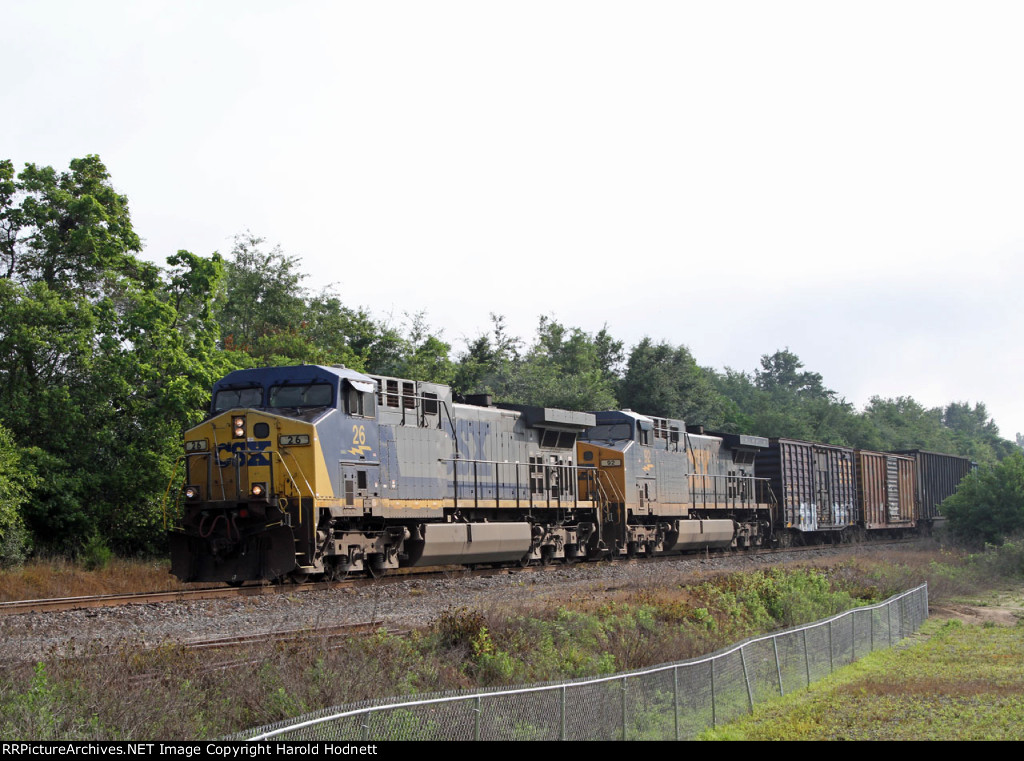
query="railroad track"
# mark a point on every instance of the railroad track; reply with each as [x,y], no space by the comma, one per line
[213,593]
[286,635]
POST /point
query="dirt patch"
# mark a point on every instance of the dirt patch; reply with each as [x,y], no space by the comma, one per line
[978,614]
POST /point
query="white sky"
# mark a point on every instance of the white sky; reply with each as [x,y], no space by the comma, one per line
[845,179]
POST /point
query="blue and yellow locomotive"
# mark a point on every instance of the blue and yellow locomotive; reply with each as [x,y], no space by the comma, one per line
[322,471]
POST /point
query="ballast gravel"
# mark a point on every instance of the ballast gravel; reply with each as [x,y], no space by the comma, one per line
[403,604]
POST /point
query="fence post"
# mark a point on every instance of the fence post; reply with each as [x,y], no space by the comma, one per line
[778,665]
[623,709]
[562,735]
[807,659]
[924,610]
[366,726]
[853,635]
[872,622]
[888,616]
[476,720]
[746,678]
[831,660]
[675,697]
[714,711]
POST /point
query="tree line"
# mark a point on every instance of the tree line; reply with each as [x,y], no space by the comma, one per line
[105,359]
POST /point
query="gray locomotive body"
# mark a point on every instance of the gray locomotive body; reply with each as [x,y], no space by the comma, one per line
[664,488]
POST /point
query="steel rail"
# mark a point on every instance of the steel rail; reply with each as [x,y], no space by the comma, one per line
[265,589]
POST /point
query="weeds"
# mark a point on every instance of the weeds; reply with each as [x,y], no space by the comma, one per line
[58,577]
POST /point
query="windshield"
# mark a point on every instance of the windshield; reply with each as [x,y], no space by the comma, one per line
[615,432]
[237,397]
[310,395]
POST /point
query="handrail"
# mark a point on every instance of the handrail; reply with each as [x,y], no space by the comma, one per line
[274,455]
[291,478]
[566,484]
[743,496]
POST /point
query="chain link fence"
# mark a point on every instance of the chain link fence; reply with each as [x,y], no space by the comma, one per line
[676,701]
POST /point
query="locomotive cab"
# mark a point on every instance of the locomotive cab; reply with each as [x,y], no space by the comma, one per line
[255,469]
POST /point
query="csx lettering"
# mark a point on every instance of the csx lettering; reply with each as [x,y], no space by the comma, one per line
[249,451]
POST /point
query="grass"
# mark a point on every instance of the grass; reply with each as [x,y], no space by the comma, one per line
[961,683]
[59,577]
[954,681]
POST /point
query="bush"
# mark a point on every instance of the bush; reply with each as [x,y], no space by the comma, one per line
[989,504]
[95,555]
[16,478]
[15,545]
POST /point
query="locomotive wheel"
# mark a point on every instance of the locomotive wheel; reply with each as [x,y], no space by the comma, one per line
[524,561]
[632,549]
[572,556]
[236,582]
[298,577]
[375,567]
[547,554]
[338,571]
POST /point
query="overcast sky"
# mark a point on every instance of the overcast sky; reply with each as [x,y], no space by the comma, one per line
[845,179]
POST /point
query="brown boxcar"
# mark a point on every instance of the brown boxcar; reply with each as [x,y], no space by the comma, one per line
[815,484]
[885,489]
[938,476]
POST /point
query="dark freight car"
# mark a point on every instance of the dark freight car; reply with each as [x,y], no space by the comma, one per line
[815,484]
[885,488]
[938,476]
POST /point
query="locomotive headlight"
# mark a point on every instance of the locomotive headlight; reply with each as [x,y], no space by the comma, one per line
[192,493]
[258,490]
[238,426]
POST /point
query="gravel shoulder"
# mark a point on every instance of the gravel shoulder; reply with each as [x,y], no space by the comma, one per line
[406,604]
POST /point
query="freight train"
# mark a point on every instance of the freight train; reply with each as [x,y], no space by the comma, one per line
[313,471]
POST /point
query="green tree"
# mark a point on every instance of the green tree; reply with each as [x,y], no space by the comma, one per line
[781,372]
[103,357]
[567,368]
[10,219]
[341,336]
[262,297]
[564,367]
[664,380]
[974,433]
[989,503]
[16,482]
[73,229]
[413,352]
[783,400]
[903,423]
[487,364]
